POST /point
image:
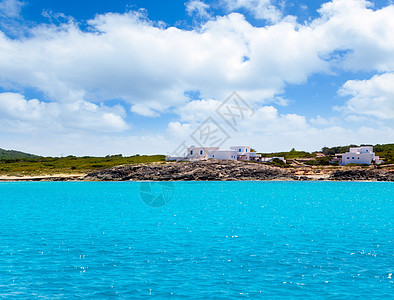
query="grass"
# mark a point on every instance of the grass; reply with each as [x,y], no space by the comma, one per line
[69,164]
[292,154]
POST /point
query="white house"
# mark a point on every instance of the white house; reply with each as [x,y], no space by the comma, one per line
[244,153]
[223,154]
[199,153]
[270,159]
[203,153]
[360,155]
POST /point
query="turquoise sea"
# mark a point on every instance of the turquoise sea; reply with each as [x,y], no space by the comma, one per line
[197,240]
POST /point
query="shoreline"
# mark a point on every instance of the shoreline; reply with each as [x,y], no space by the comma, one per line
[59,177]
[66,179]
[215,171]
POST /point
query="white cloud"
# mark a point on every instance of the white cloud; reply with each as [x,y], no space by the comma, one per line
[304,7]
[180,131]
[372,97]
[150,67]
[11,8]
[267,119]
[281,101]
[260,9]
[19,115]
[269,131]
[144,110]
[56,17]
[125,56]
[361,35]
[324,121]
[197,110]
[358,118]
[198,8]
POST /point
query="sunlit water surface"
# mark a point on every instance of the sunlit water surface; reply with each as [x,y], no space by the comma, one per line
[208,239]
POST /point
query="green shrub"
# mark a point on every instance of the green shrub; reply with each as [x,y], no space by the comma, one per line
[320,161]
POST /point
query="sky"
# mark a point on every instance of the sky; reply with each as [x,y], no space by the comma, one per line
[151,77]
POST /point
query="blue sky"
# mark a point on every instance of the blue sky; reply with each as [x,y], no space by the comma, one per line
[105,77]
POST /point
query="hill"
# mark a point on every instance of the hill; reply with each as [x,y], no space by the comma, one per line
[12,154]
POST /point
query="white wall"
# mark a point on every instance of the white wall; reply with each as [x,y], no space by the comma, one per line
[357,158]
[365,149]
[197,153]
[224,154]
[244,149]
[360,155]
[242,152]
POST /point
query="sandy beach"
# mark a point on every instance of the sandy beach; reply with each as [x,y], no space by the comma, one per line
[51,177]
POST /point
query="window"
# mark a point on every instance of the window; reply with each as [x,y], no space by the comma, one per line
[213,155]
[347,157]
[246,150]
[201,152]
[352,157]
[239,150]
[366,150]
[358,157]
[191,152]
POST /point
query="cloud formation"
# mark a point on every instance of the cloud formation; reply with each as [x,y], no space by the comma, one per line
[126,56]
[260,9]
[20,115]
[372,97]
[11,8]
[199,8]
[151,69]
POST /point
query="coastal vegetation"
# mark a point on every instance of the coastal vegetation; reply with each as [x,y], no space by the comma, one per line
[384,151]
[290,154]
[69,164]
[16,163]
[319,161]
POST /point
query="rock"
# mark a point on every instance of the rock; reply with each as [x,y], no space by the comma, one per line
[200,170]
[229,170]
[357,174]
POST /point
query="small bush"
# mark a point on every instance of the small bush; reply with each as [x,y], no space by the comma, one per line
[277,163]
[320,161]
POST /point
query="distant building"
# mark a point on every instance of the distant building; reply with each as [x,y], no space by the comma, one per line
[244,153]
[337,158]
[360,155]
[224,154]
[203,153]
[200,153]
[319,154]
[270,159]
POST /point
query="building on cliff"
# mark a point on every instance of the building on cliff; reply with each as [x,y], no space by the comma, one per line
[203,153]
[360,155]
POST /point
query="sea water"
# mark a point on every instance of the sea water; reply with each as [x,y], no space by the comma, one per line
[197,240]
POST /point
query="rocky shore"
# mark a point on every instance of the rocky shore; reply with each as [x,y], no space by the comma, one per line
[218,170]
[230,170]
[199,170]
[369,175]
